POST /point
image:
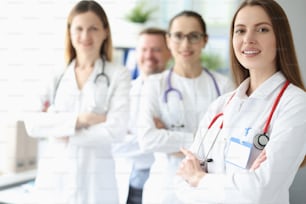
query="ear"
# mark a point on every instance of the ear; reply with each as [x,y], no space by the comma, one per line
[205,40]
[106,33]
[168,40]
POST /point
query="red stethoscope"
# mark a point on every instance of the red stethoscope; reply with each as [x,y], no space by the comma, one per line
[259,141]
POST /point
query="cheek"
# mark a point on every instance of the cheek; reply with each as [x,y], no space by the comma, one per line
[171,47]
[73,40]
[272,47]
[235,45]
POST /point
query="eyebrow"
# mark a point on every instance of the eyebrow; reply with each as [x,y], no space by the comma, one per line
[256,25]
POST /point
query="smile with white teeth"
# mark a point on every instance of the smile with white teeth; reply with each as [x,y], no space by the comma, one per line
[250,52]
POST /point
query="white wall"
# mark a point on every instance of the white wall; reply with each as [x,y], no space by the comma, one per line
[297,17]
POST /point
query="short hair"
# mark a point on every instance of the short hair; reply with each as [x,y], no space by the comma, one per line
[83,7]
[154,31]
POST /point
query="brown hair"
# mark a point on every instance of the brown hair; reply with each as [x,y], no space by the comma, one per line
[286,60]
[190,14]
[154,31]
[83,7]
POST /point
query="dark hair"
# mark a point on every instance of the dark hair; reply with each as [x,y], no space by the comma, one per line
[83,7]
[154,31]
[286,60]
[190,14]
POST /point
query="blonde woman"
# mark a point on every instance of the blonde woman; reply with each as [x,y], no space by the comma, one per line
[88,111]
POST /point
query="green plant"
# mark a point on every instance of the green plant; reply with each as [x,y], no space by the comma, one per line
[211,61]
[140,14]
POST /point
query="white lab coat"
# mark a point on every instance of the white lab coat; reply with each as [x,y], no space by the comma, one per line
[270,183]
[197,94]
[128,154]
[81,171]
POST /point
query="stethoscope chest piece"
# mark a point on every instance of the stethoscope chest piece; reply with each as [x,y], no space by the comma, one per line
[260,141]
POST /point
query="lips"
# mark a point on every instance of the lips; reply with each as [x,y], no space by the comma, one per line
[251,51]
[186,53]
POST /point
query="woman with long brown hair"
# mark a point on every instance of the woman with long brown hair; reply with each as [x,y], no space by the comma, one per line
[252,141]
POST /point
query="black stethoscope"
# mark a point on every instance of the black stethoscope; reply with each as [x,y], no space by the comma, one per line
[259,141]
[102,74]
[102,77]
[179,94]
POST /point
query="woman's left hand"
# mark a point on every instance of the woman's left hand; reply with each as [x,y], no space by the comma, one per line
[159,124]
[259,160]
[190,169]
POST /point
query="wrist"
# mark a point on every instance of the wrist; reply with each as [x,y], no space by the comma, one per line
[195,179]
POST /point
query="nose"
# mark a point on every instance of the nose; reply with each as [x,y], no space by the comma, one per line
[250,37]
[148,53]
[85,34]
[185,41]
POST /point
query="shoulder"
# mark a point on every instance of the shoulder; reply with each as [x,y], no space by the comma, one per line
[224,81]
[155,83]
[220,76]
[158,76]
[115,70]
[115,67]
[157,79]
[224,99]
[295,96]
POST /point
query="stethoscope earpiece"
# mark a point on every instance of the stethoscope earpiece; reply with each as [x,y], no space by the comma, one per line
[260,141]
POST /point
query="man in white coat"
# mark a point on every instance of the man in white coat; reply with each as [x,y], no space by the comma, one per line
[152,57]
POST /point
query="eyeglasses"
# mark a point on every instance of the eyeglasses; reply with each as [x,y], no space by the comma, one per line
[193,37]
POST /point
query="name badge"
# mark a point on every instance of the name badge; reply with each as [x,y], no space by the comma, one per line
[238,152]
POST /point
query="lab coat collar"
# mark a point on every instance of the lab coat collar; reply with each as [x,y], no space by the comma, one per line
[137,85]
[97,68]
[265,89]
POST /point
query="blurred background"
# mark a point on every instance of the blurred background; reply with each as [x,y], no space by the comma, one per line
[32,49]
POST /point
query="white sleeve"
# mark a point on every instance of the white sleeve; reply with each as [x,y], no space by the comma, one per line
[115,126]
[42,124]
[152,139]
[285,152]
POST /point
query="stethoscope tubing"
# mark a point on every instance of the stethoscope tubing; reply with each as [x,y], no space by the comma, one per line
[101,74]
[171,88]
[214,81]
[267,124]
[266,127]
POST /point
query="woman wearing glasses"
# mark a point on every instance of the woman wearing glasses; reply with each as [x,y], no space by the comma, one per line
[87,113]
[174,101]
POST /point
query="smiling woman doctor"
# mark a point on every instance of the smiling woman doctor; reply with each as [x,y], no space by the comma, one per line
[173,103]
[251,142]
[87,113]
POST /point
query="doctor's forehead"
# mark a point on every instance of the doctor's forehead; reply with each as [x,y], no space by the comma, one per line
[252,15]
